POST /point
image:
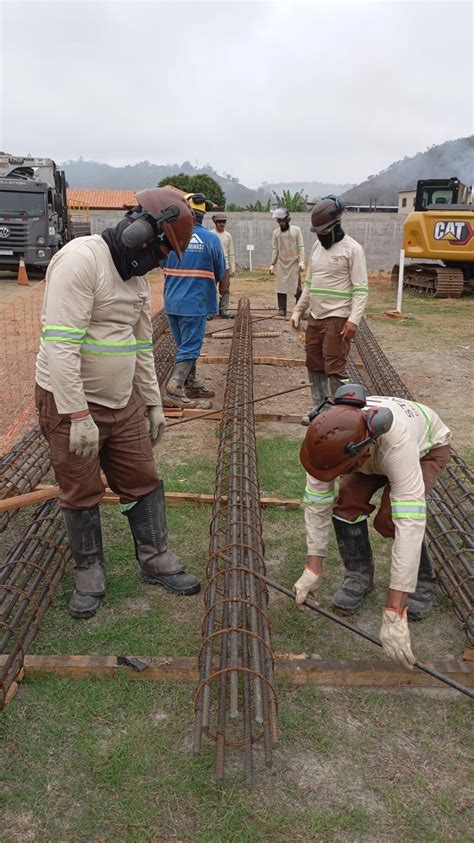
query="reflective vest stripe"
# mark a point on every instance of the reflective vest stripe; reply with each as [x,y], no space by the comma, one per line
[409,509]
[116,349]
[318,498]
[428,425]
[189,273]
[335,294]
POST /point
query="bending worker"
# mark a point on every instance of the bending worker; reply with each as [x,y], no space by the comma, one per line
[287,258]
[190,297]
[97,394]
[335,293]
[227,244]
[373,443]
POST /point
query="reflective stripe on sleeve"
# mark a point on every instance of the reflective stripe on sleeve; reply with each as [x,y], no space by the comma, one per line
[318,498]
[144,345]
[360,291]
[62,333]
[409,509]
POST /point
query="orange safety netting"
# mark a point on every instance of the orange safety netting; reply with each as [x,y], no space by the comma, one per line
[19,341]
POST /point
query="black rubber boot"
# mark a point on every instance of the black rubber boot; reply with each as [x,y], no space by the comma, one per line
[281,304]
[158,564]
[356,554]
[319,391]
[85,538]
[194,388]
[420,603]
[175,394]
[224,311]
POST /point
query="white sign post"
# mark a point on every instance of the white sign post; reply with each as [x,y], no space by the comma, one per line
[400,280]
[250,250]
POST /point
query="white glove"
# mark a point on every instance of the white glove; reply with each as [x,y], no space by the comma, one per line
[306,585]
[302,266]
[395,637]
[270,269]
[157,423]
[84,438]
[295,319]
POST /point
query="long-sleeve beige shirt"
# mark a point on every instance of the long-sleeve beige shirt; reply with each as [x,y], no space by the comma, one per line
[96,338]
[287,255]
[336,281]
[415,430]
[228,248]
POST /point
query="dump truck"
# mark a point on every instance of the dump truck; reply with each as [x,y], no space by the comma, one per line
[438,239]
[34,221]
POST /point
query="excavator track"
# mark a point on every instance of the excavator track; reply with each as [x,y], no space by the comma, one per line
[441,282]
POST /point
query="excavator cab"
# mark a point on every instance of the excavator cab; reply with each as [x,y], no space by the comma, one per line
[440,231]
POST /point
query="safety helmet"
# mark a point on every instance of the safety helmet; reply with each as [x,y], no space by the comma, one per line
[162,214]
[199,203]
[219,217]
[326,213]
[280,214]
[341,433]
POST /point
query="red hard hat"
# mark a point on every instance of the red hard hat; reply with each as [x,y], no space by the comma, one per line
[178,231]
[324,452]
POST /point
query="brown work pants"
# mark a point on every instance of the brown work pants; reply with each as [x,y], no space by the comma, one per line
[356,490]
[326,350]
[224,283]
[125,452]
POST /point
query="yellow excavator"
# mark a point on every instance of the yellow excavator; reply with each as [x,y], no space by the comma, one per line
[439,232]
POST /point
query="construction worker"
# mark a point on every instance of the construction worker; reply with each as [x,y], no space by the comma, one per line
[287,258]
[227,244]
[335,293]
[189,298]
[97,395]
[373,443]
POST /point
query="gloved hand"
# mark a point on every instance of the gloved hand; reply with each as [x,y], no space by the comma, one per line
[349,331]
[270,269]
[306,586]
[84,438]
[157,423]
[395,637]
[295,319]
[302,266]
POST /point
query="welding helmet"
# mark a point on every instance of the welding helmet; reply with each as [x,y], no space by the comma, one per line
[340,434]
[161,215]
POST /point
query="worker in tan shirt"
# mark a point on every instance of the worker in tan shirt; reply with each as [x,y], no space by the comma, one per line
[287,258]
[335,295]
[97,394]
[373,443]
[227,244]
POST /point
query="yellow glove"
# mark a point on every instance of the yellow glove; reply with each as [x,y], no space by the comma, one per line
[395,637]
[306,586]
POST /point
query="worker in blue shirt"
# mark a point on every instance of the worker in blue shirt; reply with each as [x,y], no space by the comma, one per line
[190,295]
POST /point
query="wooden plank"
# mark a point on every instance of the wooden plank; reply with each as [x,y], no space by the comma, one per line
[218,360]
[296,670]
[110,498]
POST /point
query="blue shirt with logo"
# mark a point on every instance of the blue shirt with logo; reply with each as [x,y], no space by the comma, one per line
[190,284]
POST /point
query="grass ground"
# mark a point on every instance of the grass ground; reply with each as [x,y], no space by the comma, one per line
[111,760]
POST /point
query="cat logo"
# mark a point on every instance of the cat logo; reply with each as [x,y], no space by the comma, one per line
[457,233]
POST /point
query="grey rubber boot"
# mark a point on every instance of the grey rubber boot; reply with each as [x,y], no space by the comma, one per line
[334,382]
[175,391]
[356,554]
[420,603]
[281,304]
[85,538]
[319,391]
[158,564]
[194,388]
[224,311]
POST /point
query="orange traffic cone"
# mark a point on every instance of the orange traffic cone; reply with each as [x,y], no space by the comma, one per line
[22,273]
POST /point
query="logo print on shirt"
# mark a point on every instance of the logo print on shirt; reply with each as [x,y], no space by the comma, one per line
[196,244]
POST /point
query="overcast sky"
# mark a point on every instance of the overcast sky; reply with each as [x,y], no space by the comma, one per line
[268,91]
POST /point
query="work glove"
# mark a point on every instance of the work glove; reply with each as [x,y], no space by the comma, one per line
[270,269]
[302,266]
[295,319]
[349,331]
[306,586]
[84,438]
[395,637]
[157,423]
